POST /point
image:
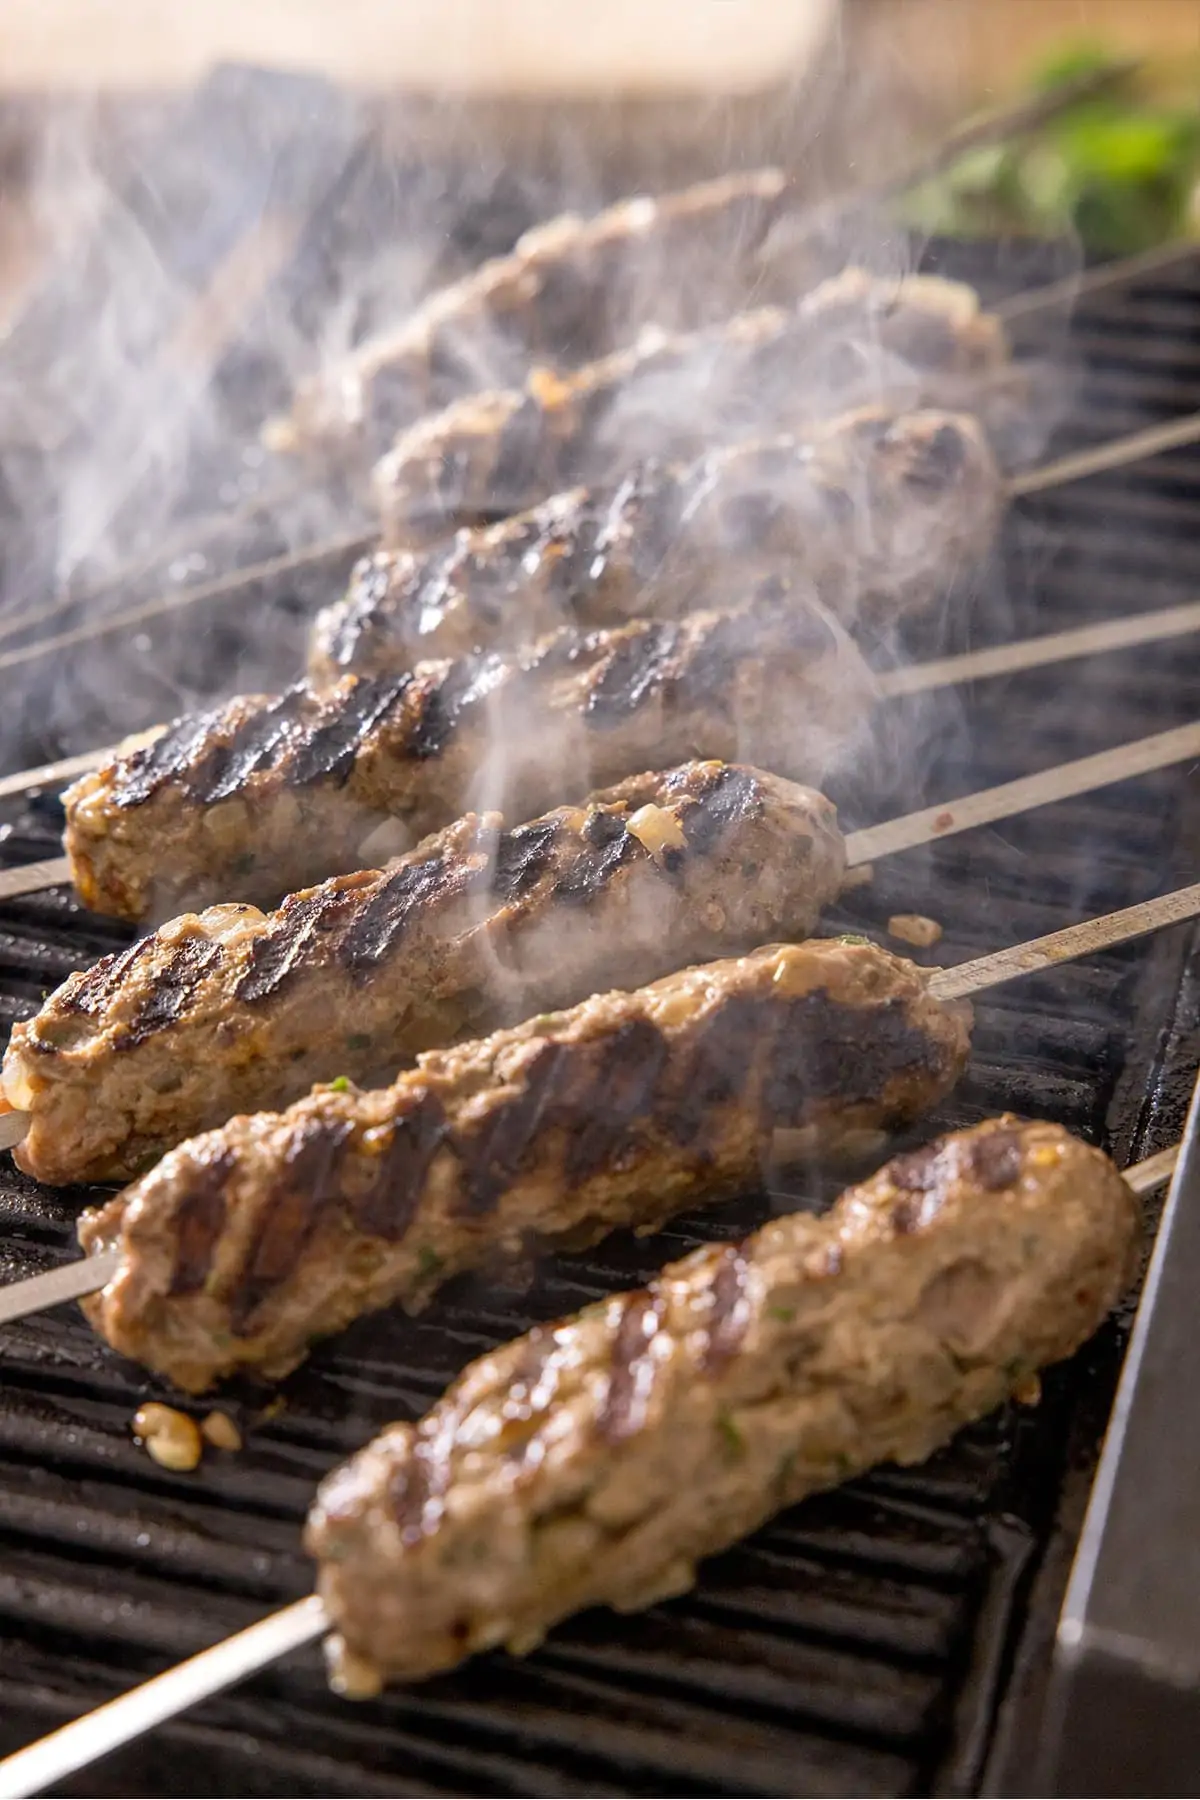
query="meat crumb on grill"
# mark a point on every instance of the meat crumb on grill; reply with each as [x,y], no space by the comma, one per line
[914,928]
[171,1437]
[219,1430]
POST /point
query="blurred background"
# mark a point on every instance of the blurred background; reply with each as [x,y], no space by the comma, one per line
[873,75]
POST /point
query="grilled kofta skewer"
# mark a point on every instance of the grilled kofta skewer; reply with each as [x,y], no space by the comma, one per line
[761,373]
[880,511]
[246,1244]
[568,291]
[597,1461]
[231,1011]
[267,794]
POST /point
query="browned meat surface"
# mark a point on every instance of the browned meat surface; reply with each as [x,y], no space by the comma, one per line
[570,290]
[597,1461]
[232,1011]
[246,1244]
[266,794]
[880,511]
[860,341]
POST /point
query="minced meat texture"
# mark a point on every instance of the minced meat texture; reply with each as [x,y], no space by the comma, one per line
[232,1010]
[596,1461]
[618,1111]
[267,794]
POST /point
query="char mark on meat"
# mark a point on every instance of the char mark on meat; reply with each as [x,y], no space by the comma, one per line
[631,1366]
[173,986]
[617,1111]
[291,1213]
[199,1222]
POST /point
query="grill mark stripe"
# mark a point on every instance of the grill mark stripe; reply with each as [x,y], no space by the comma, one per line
[717,1070]
[329,751]
[536,1381]
[286,947]
[440,707]
[729,1314]
[589,875]
[494,1154]
[379,924]
[259,742]
[996,1159]
[151,767]
[522,858]
[824,1050]
[290,1215]
[92,992]
[364,613]
[520,448]
[648,512]
[572,559]
[172,988]
[199,1223]
[728,800]
[629,674]
[418,1489]
[704,676]
[390,1204]
[617,1093]
[631,1366]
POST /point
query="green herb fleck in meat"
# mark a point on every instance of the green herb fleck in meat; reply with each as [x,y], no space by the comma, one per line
[735,1444]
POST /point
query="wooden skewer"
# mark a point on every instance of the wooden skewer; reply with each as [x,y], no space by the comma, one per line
[947,671]
[1070,289]
[45,1763]
[1136,447]
[181,541]
[65,1752]
[1145,1176]
[1068,945]
[55,774]
[1034,653]
[33,878]
[38,1293]
[75,1279]
[1062,782]
[332,550]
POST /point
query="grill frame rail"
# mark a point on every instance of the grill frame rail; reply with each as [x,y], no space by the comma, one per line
[1123,1712]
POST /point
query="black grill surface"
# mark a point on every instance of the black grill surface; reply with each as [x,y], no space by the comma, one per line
[864,1642]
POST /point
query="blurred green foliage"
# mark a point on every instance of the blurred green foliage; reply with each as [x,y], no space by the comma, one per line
[1121,168]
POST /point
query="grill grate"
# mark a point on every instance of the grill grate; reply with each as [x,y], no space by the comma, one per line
[863,1642]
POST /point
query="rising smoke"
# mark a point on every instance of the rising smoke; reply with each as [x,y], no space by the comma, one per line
[205,262]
